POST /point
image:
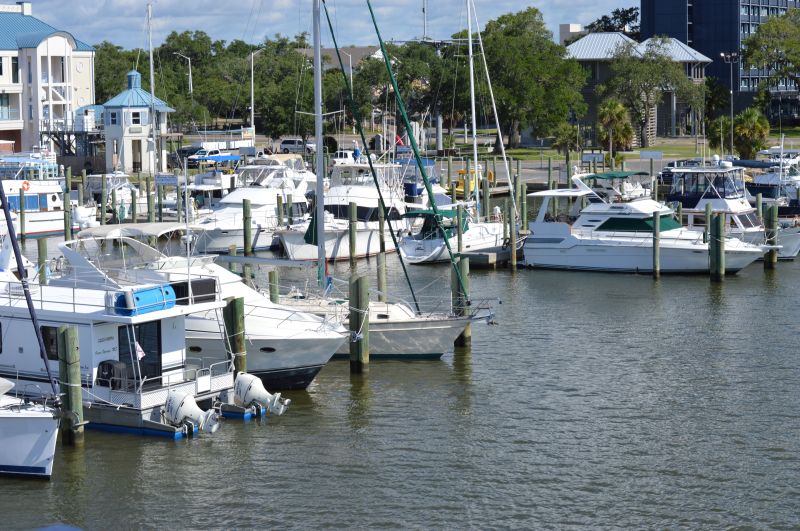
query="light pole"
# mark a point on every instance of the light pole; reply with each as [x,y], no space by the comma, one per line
[731,58]
[350,62]
[191,90]
[253,93]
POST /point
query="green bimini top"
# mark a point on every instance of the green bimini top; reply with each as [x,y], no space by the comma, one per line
[616,174]
[447,213]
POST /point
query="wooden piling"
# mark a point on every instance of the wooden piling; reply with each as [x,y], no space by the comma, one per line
[233,315]
[679,213]
[351,227]
[460,228]
[274,286]
[21,212]
[279,211]
[468,183]
[179,203]
[103,199]
[549,173]
[232,252]
[41,247]
[82,186]
[114,215]
[359,324]
[453,191]
[505,220]
[382,284]
[486,211]
[460,299]
[512,235]
[68,204]
[450,174]
[151,208]
[134,206]
[716,248]
[69,365]
[771,230]
[160,190]
[656,245]
[289,207]
[760,207]
[247,227]
[654,181]
[707,232]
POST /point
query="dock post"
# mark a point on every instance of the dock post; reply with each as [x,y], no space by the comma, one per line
[82,187]
[69,365]
[460,228]
[716,246]
[622,166]
[41,247]
[67,204]
[382,255]
[760,207]
[21,211]
[505,220]
[114,215]
[679,212]
[460,298]
[450,173]
[275,286]
[656,245]
[233,315]
[453,191]
[160,189]
[151,205]
[468,183]
[232,252]
[289,206]
[486,210]
[707,232]
[519,170]
[494,171]
[359,324]
[134,207]
[523,211]
[549,173]
[351,227]
[512,235]
[771,229]
[247,243]
[279,211]
[179,204]
[103,199]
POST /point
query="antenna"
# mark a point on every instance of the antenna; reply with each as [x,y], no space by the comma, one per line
[424,20]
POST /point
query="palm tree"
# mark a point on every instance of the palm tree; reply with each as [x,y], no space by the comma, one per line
[751,130]
[565,138]
[612,116]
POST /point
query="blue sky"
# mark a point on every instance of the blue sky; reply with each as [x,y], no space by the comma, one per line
[123,21]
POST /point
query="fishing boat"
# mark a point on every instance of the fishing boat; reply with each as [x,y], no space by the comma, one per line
[619,237]
[28,433]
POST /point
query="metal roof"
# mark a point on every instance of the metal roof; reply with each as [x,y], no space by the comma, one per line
[679,51]
[598,46]
[135,96]
[24,31]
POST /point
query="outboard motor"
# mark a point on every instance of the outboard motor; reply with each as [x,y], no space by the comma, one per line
[182,410]
[250,390]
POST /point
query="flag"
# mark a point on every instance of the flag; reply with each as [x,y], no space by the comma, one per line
[310,236]
[139,351]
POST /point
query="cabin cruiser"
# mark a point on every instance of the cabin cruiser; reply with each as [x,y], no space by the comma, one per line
[619,237]
[285,347]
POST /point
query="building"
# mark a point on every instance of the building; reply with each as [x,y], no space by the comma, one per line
[128,129]
[45,75]
[568,32]
[713,27]
[595,51]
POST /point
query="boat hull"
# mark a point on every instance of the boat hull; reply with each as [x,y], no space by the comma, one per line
[29,439]
[485,237]
[337,244]
[221,240]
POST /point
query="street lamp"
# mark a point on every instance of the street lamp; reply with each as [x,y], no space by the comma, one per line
[191,91]
[350,62]
[253,93]
[731,58]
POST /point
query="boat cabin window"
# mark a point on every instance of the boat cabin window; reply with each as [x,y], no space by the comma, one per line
[50,337]
[362,213]
[667,222]
[144,342]
[749,220]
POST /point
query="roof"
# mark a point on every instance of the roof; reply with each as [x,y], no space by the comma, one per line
[597,46]
[24,31]
[132,230]
[679,51]
[135,96]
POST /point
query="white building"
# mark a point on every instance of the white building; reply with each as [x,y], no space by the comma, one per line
[45,74]
[129,143]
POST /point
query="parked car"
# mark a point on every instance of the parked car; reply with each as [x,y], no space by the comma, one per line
[175,159]
[194,160]
[296,145]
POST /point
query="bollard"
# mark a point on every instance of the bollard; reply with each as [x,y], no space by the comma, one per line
[279,211]
[512,234]
[41,247]
[103,199]
[760,207]
[160,190]
[359,324]
[656,245]
[771,231]
[114,216]
[233,315]
[460,228]
[382,288]
[351,227]
[134,206]
[69,376]
[707,232]
[460,300]
[289,207]
[716,248]
[21,212]
[151,208]
[274,286]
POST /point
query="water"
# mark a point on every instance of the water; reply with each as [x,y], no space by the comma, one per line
[597,401]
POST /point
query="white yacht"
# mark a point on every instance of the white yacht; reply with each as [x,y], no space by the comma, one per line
[286,348]
[619,237]
[28,433]
[351,183]
[223,227]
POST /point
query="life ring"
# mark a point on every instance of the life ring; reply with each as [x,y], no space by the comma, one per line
[26,185]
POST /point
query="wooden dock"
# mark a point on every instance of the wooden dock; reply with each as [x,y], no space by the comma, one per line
[491,260]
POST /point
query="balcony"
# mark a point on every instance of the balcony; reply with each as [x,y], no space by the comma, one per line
[8,114]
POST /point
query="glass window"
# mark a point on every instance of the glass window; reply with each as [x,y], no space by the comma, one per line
[136,118]
[112,118]
[144,342]
[15,69]
[50,337]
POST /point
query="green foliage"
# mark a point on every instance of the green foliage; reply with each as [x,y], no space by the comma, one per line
[615,128]
[718,133]
[776,45]
[750,132]
[625,20]
[717,97]
[565,138]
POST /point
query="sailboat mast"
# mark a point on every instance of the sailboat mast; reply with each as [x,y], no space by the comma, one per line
[319,200]
[153,121]
[472,105]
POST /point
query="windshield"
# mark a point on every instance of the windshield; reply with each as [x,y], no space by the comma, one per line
[202,153]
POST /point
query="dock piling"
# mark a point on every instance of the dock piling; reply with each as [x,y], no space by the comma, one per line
[134,206]
[114,215]
[716,247]
[151,208]
[460,299]
[351,226]
[160,189]
[289,207]
[450,173]
[707,232]
[382,287]
[103,199]
[233,315]
[460,228]
[512,235]
[279,211]
[275,286]
[247,243]
[486,210]
[69,365]
[22,231]
[179,203]
[760,207]
[656,245]
[771,230]
[41,247]
[82,187]
[359,324]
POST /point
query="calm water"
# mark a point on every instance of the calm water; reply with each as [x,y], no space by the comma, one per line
[597,401]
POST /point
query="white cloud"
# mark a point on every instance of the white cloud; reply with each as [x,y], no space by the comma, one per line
[123,21]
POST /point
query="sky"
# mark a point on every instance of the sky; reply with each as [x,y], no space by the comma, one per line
[123,21]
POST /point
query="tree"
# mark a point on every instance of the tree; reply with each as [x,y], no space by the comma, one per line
[535,84]
[565,139]
[616,125]
[750,132]
[717,97]
[718,134]
[640,77]
[776,45]
[622,19]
